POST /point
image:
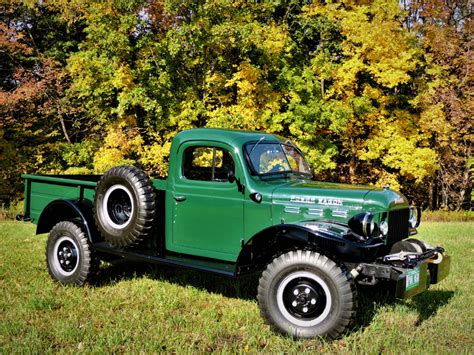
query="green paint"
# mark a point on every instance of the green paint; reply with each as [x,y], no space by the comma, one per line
[42,189]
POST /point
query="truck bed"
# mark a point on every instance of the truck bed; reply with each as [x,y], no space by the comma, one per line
[40,190]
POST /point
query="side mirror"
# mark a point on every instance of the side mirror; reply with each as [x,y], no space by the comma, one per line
[231,176]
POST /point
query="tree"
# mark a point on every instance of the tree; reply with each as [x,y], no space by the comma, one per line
[33,115]
[372,92]
[371,84]
[446,95]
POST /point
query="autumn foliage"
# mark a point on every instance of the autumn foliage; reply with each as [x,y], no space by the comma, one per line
[374,92]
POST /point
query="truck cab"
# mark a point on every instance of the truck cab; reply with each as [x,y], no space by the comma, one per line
[236,202]
[227,187]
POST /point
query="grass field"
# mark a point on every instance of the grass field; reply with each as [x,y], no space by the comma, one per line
[141,308]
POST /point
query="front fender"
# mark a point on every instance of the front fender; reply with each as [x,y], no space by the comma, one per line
[69,210]
[329,237]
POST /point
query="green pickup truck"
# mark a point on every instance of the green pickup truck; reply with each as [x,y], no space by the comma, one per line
[235,203]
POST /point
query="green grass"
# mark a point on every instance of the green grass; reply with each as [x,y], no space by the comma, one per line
[448,216]
[142,308]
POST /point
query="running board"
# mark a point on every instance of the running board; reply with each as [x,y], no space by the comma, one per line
[214,267]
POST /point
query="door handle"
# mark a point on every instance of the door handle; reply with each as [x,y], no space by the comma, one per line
[180,198]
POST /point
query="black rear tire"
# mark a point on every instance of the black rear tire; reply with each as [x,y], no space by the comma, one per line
[69,257]
[124,206]
[305,294]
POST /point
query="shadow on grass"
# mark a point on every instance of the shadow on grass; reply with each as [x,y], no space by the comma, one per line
[428,303]
[371,298]
[244,287]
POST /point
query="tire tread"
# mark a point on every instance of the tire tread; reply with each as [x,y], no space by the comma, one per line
[144,222]
[341,278]
[89,264]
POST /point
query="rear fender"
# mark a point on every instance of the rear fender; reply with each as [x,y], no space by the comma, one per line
[69,210]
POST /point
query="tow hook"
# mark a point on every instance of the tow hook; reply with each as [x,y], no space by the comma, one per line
[438,260]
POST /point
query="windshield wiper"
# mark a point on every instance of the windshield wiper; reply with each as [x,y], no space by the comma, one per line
[286,174]
[255,146]
[299,173]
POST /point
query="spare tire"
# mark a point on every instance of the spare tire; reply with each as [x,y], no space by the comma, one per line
[124,206]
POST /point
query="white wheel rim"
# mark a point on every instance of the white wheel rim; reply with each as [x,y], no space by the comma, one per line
[105,209]
[290,317]
[57,264]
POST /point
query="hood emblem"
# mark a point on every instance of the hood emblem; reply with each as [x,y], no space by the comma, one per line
[320,200]
[330,201]
[303,199]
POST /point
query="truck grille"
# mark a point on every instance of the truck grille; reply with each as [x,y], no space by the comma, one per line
[398,225]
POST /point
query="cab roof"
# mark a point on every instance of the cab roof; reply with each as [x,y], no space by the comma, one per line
[233,137]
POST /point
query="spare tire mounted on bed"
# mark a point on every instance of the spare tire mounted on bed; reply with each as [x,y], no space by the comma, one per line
[124,206]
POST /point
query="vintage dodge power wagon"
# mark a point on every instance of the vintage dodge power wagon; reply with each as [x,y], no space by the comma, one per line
[235,203]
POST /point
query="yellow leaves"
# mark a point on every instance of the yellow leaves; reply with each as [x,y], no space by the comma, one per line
[246,79]
[393,67]
[399,148]
[379,58]
[433,118]
[254,105]
[270,38]
[123,78]
[215,84]
[77,171]
[320,159]
[347,77]
[154,157]
[189,112]
[375,44]
[384,178]
[120,143]
[372,93]
[123,145]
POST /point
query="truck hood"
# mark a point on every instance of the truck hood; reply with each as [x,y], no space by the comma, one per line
[299,200]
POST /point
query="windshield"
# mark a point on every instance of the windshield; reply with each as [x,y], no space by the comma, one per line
[271,158]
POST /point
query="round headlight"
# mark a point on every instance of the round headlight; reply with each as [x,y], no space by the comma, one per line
[368,224]
[363,224]
[384,228]
[414,217]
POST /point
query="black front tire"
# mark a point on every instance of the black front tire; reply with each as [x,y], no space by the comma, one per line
[304,294]
[69,255]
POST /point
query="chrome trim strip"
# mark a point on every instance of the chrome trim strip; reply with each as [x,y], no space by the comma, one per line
[339,213]
[292,209]
[319,212]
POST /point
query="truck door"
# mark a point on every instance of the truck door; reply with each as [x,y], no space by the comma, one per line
[207,208]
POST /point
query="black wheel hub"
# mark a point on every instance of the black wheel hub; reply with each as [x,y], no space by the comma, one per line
[304,298]
[67,255]
[119,207]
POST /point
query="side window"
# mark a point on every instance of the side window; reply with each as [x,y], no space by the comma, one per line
[207,164]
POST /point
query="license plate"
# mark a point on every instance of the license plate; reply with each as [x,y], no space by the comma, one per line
[412,279]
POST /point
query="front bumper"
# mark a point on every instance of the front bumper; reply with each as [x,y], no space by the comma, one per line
[409,281]
[417,280]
